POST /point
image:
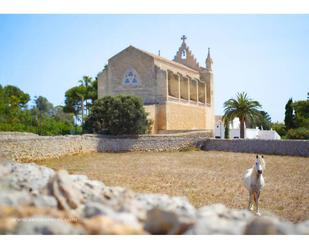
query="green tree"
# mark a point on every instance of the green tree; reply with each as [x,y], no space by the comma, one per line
[279,128]
[74,101]
[118,115]
[92,93]
[242,107]
[300,126]
[86,81]
[59,114]
[301,109]
[13,102]
[2,102]
[298,133]
[41,110]
[289,115]
[42,118]
[42,104]
[296,120]
[14,97]
[226,129]
[263,121]
[79,99]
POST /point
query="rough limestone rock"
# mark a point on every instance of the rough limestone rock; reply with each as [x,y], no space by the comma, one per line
[8,225]
[15,198]
[61,186]
[104,225]
[270,224]
[262,225]
[37,200]
[179,205]
[92,191]
[44,201]
[302,228]
[24,198]
[29,177]
[46,226]
[159,221]
[123,200]
[217,219]
[93,209]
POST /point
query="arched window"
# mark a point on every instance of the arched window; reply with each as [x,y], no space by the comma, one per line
[131,78]
[184,54]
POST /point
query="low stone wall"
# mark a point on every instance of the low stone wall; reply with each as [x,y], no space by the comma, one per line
[36,148]
[150,143]
[15,134]
[39,148]
[273,147]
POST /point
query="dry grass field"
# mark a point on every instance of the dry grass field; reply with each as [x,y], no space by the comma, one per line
[204,177]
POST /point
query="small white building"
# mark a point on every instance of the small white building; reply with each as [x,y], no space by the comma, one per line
[234,131]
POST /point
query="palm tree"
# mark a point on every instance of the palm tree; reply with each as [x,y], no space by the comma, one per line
[243,108]
[86,81]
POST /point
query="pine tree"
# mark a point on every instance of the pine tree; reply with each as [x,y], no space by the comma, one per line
[289,115]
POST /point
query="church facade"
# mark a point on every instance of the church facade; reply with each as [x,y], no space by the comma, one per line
[178,94]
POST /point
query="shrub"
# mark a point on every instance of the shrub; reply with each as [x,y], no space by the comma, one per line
[279,128]
[299,133]
[117,115]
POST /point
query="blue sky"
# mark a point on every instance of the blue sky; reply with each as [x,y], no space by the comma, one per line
[266,56]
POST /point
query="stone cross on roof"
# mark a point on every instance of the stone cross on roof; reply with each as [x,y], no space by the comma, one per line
[183,38]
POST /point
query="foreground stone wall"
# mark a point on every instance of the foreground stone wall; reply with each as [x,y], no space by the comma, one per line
[273,147]
[35,148]
[37,200]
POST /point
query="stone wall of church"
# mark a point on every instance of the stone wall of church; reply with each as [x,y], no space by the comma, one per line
[150,80]
[185,117]
[180,116]
[157,113]
[152,115]
[161,84]
[173,87]
[210,118]
[103,84]
[177,68]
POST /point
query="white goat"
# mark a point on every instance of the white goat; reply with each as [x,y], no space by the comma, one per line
[254,182]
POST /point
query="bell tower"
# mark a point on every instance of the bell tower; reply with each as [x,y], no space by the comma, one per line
[184,55]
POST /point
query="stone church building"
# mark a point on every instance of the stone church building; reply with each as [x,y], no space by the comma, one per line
[178,94]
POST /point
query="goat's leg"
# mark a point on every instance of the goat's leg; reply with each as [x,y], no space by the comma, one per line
[250,202]
[257,203]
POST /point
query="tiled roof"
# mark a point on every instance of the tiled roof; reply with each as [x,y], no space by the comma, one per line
[160,58]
